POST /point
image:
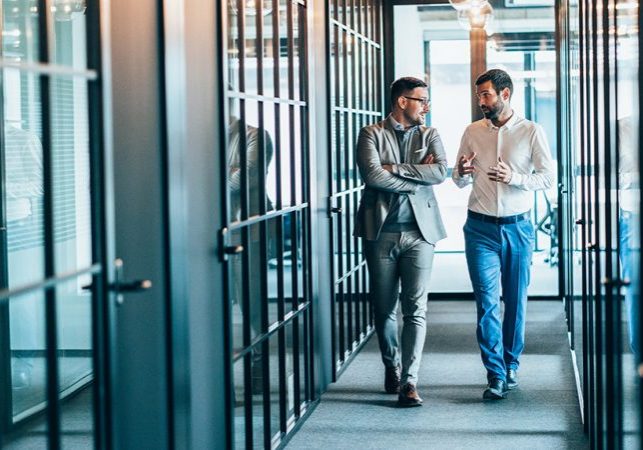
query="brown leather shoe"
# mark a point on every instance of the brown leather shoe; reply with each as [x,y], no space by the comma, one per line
[392,377]
[409,396]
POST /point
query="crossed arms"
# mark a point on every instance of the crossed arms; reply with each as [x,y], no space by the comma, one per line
[400,178]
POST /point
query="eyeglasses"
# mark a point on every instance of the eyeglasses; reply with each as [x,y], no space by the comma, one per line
[424,101]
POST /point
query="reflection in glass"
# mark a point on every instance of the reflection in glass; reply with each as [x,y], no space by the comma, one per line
[28,381]
[250,152]
[629,200]
[75,365]
[238,396]
[71,174]
[27,346]
[275,388]
[23,200]
[290,371]
[21,165]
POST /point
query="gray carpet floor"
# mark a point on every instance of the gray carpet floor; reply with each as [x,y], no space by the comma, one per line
[542,413]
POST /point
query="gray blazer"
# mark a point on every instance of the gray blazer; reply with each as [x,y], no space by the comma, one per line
[377,145]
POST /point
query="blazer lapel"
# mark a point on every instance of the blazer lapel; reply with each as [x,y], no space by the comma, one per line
[389,132]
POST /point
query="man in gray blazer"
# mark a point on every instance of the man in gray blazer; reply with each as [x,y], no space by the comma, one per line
[400,159]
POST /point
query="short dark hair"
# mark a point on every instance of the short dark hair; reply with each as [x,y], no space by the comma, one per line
[404,84]
[499,79]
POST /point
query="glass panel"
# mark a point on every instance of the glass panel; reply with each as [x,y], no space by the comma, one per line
[290,371]
[233,46]
[27,347]
[629,212]
[304,369]
[237,292]
[299,258]
[246,282]
[286,135]
[256,373]
[275,390]
[70,139]
[26,386]
[75,363]
[71,189]
[274,268]
[301,153]
[273,141]
[22,157]
[251,169]
[256,276]
[290,230]
[284,49]
[297,52]
[239,405]
[251,43]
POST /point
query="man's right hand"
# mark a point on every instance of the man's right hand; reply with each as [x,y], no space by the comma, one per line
[465,166]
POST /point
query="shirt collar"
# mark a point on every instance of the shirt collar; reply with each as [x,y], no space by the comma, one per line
[398,126]
[509,124]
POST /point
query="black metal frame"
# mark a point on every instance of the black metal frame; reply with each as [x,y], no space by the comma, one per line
[293,321]
[355,100]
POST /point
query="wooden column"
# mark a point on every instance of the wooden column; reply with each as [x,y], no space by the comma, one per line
[478,40]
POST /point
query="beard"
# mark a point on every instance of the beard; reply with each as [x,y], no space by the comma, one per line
[492,112]
[414,120]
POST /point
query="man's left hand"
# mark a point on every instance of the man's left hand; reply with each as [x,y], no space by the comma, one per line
[387,167]
[500,173]
[428,159]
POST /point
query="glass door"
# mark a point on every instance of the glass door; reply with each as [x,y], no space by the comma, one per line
[267,205]
[52,229]
[355,69]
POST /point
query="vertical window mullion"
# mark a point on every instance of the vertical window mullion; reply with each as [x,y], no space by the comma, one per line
[45,30]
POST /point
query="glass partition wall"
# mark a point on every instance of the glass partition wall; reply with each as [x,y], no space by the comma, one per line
[267,237]
[355,73]
[51,228]
[600,73]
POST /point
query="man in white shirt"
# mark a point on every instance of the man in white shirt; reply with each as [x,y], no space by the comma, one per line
[505,157]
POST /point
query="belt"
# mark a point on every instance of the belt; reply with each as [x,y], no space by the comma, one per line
[498,220]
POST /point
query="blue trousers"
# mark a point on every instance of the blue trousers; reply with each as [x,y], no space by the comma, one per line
[627,248]
[499,254]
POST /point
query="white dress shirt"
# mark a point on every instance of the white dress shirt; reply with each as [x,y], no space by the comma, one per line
[522,145]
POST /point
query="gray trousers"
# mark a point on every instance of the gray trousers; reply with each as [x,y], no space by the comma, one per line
[407,258]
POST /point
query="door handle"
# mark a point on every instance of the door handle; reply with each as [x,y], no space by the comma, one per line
[118,287]
[233,249]
[615,282]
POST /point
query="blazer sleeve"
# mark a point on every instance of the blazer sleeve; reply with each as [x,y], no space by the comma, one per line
[426,174]
[370,168]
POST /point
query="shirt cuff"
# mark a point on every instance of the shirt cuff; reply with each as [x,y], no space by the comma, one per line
[394,169]
[516,179]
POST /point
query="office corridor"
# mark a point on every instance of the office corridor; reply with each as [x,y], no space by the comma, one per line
[542,412]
